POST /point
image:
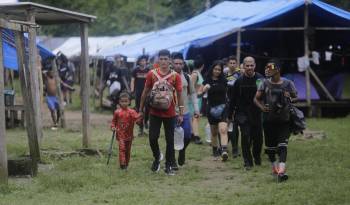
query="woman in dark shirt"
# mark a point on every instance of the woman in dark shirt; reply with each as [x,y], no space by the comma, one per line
[216,85]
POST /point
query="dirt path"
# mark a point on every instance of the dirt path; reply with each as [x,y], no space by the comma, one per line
[74,118]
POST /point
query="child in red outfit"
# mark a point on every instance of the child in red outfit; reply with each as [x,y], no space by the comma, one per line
[123,122]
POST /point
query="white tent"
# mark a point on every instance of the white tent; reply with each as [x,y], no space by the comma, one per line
[71,46]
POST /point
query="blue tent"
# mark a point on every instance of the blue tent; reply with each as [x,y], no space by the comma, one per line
[10,53]
[223,21]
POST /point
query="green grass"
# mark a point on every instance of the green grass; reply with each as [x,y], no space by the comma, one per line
[319,173]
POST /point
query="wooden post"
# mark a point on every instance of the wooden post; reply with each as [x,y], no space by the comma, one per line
[3,150]
[27,98]
[85,83]
[94,81]
[238,49]
[306,53]
[59,93]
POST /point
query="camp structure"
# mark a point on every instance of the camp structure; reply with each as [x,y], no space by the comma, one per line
[23,18]
[309,33]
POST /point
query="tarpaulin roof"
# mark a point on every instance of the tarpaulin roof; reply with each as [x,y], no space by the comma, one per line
[70,47]
[226,18]
[10,52]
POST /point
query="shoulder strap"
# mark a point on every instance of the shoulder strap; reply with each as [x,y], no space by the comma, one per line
[164,78]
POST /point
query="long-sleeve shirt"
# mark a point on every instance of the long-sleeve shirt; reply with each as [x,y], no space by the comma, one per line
[123,121]
[242,97]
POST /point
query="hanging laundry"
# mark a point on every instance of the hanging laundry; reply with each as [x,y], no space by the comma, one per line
[303,63]
[316,57]
[328,55]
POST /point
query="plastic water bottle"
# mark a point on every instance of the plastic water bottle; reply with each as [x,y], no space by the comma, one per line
[178,138]
[208,133]
[230,127]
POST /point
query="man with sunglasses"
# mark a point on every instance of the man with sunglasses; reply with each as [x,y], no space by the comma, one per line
[273,97]
[246,113]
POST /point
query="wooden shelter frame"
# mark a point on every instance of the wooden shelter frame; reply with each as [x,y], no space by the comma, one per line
[25,18]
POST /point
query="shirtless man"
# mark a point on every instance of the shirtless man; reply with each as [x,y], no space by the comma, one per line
[51,98]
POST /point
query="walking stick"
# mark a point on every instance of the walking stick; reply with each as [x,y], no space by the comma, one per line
[110,150]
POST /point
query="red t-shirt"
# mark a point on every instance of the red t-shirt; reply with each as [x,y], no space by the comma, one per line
[174,81]
[123,121]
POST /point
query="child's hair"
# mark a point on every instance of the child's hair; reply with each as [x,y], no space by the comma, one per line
[124,95]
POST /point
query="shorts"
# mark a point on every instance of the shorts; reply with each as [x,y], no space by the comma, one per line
[214,121]
[276,133]
[52,102]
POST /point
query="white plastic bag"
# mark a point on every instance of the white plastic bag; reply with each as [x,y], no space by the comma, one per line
[178,138]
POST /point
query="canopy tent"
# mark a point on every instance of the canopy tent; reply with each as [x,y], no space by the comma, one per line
[71,46]
[10,52]
[227,18]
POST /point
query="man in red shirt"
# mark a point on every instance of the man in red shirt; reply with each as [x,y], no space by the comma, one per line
[167,117]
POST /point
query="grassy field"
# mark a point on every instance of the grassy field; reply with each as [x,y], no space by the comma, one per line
[319,173]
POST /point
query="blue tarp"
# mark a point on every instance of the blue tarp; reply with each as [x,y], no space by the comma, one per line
[226,18]
[10,52]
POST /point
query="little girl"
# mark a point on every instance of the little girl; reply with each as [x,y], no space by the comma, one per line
[123,122]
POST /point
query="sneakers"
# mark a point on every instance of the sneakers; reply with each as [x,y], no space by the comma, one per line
[169,171]
[281,175]
[174,166]
[197,140]
[224,156]
[181,159]
[216,152]
[155,166]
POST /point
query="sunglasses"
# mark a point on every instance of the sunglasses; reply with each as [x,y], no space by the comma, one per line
[271,66]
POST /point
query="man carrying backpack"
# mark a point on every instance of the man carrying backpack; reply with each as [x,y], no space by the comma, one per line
[273,98]
[164,87]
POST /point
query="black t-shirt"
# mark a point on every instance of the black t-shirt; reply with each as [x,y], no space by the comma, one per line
[216,92]
[140,78]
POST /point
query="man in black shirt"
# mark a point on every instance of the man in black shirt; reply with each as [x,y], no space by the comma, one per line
[138,79]
[247,114]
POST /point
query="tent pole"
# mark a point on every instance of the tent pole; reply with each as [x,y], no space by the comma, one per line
[306,53]
[3,150]
[85,84]
[238,49]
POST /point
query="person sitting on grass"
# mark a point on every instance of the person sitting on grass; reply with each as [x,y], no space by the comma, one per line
[273,97]
[123,122]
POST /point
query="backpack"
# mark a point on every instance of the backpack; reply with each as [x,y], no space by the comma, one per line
[297,120]
[277,102]
[162,93]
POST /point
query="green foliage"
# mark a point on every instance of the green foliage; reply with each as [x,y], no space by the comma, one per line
[115,17]
[124,16]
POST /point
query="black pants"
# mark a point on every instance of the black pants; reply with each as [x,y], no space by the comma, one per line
[154,131]
[276,140]
[233,137]
[251,137]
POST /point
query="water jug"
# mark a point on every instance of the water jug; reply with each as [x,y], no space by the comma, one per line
[208,133]
[178,138]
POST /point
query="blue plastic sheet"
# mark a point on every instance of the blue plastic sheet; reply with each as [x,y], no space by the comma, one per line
[226,18]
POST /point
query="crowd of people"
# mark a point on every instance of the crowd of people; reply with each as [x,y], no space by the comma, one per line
[236,100]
